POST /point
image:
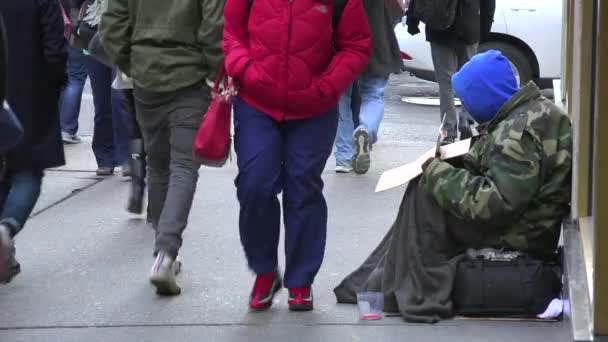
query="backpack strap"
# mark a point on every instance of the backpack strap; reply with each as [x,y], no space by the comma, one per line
[339,6]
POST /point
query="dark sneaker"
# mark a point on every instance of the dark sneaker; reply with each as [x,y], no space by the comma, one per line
[300,299]
[362,160]
[105,171]
[68,138]
[163,274]
[265,287]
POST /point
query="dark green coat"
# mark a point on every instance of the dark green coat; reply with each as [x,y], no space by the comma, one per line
[164,45]
[386,56]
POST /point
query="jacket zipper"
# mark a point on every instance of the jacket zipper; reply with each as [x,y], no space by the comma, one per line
[287,59]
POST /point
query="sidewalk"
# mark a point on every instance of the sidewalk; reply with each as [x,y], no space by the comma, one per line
[85,262]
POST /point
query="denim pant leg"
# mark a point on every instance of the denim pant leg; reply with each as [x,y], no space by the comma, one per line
[20,191]
[258,142]
[121,120]
[72,94]
[344,137]
[103,131]
[372,104]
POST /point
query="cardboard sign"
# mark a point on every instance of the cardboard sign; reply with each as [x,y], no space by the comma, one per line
[405,173]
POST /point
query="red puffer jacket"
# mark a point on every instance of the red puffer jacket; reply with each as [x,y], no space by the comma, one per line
[288,60]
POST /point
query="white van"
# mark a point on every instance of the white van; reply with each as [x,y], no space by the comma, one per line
[528,32]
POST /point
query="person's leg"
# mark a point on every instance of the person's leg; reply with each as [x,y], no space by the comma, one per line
[152,119]
[121,120]
[103,131]
[185,113]
[355,103]
[308,144]
[258,145]
[445,62]
[19,193]
[137,160]
[372,111]
[465,121]
[344,138]
[372,105]
[72,94]
[20,199]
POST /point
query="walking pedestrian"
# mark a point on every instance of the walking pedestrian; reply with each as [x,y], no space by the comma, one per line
[112,119]
[35,34]
[169,52]
[353,146]
[451,48]
[291,74]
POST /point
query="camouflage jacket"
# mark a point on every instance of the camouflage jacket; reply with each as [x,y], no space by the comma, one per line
[515,180]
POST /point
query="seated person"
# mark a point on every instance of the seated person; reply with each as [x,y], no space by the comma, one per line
[510,191]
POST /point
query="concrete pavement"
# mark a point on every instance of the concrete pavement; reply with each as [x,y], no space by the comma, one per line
[85,260]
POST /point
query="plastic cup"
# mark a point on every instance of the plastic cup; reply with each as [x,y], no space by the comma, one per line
[370,305]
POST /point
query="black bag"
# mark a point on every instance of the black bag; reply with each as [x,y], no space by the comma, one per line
[438,15]
[522,287]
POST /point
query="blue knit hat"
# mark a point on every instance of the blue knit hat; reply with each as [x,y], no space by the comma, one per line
[484,84]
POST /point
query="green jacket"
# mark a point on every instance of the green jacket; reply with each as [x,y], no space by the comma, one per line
[164,45]
[516,177]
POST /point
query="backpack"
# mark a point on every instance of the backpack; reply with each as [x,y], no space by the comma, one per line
[339,6]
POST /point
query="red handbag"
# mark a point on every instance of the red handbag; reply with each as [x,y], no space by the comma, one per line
[213,141]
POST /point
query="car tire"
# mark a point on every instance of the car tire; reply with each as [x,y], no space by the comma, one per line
[517,56]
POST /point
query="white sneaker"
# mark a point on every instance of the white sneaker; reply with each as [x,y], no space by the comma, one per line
[343,169]
[70,138]
[162,275]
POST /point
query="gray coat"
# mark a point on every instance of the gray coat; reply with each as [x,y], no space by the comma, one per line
[386,56]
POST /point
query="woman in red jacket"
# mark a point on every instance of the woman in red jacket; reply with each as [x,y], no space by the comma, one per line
[292,60]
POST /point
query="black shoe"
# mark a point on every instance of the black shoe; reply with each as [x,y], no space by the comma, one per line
[362,159]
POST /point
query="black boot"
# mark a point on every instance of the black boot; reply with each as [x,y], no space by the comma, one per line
[138,178]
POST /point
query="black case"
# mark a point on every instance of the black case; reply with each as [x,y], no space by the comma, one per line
[523,287]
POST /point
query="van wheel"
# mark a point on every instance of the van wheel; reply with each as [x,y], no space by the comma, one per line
[518,57]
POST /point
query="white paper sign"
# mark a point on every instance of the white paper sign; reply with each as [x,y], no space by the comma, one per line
[405,173]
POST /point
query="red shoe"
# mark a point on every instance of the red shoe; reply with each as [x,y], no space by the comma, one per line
[300,299]
[265,287]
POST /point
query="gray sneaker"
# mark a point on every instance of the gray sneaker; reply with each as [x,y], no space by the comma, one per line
[362,159]
[70,138]
[162,275]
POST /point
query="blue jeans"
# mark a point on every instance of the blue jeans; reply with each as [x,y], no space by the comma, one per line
[372,110]
[72,94]
[288,157]
[19,192]
[112,118]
